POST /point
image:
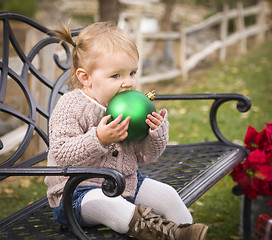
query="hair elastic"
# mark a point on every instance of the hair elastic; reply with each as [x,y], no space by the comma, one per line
[74,44]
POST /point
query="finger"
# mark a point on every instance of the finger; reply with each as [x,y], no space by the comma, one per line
[123,136]
[158,116]
[125,123]
[154,120]
[151,124]
[123,131]
[123,126]
[163,112]
[116,121]
[105,119]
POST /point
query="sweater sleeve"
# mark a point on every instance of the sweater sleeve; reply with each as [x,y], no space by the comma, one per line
[72,140]
[150,148]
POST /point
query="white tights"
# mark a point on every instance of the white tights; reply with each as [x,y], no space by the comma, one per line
[116,213]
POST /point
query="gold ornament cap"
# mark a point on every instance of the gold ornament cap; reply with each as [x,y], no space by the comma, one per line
[151,95]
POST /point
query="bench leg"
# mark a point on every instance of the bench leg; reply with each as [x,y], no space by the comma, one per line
[247,218]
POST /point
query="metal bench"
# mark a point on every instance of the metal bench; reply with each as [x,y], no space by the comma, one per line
[190,168]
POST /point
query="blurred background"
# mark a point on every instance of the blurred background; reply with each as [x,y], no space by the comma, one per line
[174,37]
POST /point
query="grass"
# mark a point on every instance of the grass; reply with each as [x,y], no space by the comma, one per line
[220,210]
[250,75]
[14,196]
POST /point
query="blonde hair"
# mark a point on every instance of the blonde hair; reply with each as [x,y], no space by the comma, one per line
[93,42]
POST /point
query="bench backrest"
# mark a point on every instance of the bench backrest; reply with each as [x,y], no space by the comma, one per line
[36,75]
[25,76]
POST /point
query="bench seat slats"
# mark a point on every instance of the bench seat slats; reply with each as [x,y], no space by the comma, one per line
[191,170]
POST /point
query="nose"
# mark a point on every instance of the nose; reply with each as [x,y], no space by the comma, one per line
[128,83]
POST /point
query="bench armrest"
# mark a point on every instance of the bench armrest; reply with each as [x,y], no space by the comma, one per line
[243,105]
[112,186]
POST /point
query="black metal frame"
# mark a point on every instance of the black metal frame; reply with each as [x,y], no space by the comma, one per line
[114,182]
[22,81]
[243,105]
[112,186]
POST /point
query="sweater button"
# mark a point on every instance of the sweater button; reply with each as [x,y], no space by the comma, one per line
[115,153]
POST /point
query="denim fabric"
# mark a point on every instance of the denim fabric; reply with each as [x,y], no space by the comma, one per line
[78,195]
[141,178]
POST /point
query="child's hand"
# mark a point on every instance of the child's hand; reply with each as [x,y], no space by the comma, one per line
[155,120]
[113,132]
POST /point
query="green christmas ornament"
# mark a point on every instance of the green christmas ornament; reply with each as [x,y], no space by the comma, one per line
[135,104]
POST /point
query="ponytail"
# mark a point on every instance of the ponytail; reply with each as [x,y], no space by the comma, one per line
[65,35]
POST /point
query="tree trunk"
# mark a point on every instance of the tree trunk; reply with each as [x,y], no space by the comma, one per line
[165,23]
[165,26]
[109,10]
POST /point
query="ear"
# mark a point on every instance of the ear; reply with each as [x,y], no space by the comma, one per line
[83,76]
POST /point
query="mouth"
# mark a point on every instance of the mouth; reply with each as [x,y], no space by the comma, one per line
[124,90]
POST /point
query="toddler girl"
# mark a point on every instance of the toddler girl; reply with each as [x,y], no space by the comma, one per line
[104,63]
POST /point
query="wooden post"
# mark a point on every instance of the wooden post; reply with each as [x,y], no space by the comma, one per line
[39,92]
[268,22]
[183,53]
[48,69]
[139,42]
[240,23]
[31,38]
[177,54]
[261,21]
[224,33]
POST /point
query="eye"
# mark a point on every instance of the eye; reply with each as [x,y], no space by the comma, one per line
[115,76]
[132,73]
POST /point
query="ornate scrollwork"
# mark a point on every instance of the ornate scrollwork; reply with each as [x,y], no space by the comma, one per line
[22,79]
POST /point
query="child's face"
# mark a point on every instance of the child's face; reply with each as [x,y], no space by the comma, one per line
[114,73]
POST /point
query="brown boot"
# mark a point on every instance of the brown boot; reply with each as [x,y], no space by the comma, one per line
[195,231]
[146,225]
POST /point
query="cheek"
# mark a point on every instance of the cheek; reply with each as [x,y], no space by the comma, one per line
[109,92]
[134,84]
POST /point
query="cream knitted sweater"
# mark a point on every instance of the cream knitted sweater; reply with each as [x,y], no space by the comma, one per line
[73,141]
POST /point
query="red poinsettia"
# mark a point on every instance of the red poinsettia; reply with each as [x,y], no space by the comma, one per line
[254,176]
